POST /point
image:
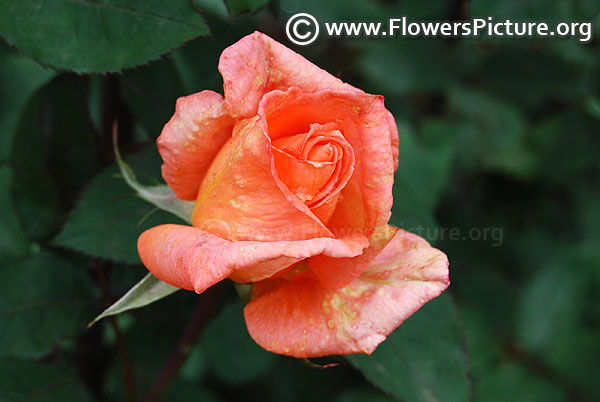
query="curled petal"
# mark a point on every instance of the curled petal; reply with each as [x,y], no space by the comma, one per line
[334,273]
[366,199]
[257,64]
[315,165]
[192,259]
[242,197]
[296,316]
[191,139]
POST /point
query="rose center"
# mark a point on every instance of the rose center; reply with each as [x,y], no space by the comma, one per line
[314,165]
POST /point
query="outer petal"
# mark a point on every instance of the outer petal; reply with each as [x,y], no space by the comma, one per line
[257,64]
[242,197]
[298,317]
[191,139]
[366,200]
[334,273]
[192,259]
[395,140]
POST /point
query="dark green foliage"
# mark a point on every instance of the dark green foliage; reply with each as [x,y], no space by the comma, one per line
[237,7]
[23,380]
[43,299]
[109,217]
[13,242]
[19,78]
[98,36]
[423,360]
[235,358]
[499,168]
[54,135]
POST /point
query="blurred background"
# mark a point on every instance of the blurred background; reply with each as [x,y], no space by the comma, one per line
[499,168]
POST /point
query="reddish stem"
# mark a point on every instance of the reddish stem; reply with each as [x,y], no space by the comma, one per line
[200,318]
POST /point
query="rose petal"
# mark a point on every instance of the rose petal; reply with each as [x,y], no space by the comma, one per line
[366,200]
[334,273]
[303,178]
[325,210]
[191,139]
[347,246]
[315,165]
[296,316]
[257,64]
[395,140]
[242,197]
[192,259]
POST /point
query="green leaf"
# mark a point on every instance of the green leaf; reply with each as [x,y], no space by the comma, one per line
[523,76]
[20,77]
[88,36]
[512,382]
[235,357]
[237,7]
[432,65]
[421,176]
[42,299]
[554,311]
[146,291]
[13,242]
[161,196]
[196,63]
[196,364]
[568,133]
[544,309]
[23,380]
[361,395]
[109,217]
[335,10]
[491,134]
[215,7]
[424,359]
[592,106]
[549,11]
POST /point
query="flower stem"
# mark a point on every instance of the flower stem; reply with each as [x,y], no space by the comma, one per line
[200,318]
[129,380]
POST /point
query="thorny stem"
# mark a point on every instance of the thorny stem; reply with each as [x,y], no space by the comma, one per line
[127,370]
[200,318]
[129,381]
[108,112]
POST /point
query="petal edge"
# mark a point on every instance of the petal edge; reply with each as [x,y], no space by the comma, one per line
[298,317]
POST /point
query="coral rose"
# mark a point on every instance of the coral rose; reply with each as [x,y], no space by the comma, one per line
[292,173]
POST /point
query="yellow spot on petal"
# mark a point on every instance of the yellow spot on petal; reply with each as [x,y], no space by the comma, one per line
[325,305]
[355,291]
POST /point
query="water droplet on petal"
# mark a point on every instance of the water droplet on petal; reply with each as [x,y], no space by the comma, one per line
[241,183]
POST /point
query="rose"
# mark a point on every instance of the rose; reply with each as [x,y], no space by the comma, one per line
[292,173]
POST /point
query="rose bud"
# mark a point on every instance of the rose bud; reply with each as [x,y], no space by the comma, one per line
[292,174]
